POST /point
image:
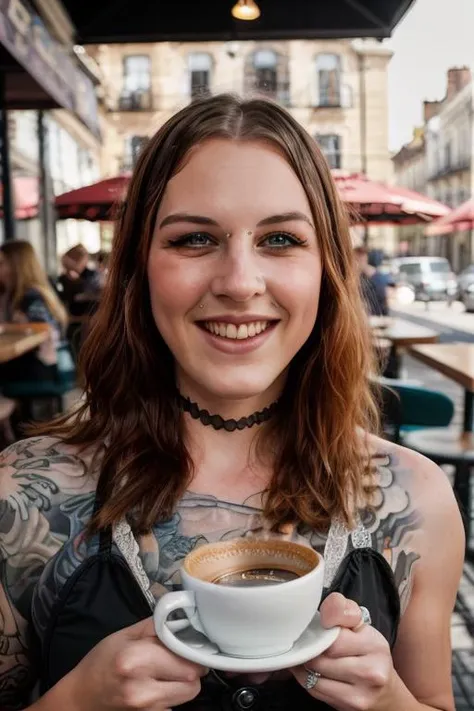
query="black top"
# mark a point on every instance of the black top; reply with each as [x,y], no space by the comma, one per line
[102,596]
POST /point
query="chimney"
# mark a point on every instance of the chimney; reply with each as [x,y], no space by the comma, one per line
[430,109]
[458,78]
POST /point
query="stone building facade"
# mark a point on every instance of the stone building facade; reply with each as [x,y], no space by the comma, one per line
[442,165]
[336,88]
[409,166]
[72,149]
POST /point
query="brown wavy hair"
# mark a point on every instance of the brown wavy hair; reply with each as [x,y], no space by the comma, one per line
[29,274]
[128,370]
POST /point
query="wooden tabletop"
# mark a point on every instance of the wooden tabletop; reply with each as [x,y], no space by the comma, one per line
[455,360]
[400,332]
[16,339]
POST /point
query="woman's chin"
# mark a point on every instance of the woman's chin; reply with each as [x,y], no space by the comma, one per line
[247,397]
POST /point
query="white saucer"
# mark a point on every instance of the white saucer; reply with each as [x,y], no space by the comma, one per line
[195,647]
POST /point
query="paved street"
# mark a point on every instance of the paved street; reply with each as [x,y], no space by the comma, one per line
[453,322]
[454,325]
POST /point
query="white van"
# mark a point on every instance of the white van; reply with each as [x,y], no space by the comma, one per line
[431,277]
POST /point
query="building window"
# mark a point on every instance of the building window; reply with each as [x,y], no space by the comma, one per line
[132,149]
[330,145]
[447,156]
[266,73]
[136,90]
[200,66]
[328,75]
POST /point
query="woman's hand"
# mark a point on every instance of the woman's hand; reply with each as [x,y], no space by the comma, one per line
[357,672]
[131,669]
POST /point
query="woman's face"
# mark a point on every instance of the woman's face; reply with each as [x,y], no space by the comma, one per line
[234,272]
[6,273]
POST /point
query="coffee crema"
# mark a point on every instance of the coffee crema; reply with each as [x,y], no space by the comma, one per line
[255,577]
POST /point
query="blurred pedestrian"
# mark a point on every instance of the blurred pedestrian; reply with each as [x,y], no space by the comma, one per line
[29,297]
[374,284]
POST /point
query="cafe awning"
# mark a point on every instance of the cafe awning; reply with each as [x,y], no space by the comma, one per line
[25,197]
[38,72]
[206,20]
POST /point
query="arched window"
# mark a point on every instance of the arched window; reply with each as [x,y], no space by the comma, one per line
[328,78]
[199,67]
[265,63]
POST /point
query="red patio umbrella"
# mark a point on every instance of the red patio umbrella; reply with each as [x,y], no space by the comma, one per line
[379,202]
[372,201]
[93,202]
[461,218]
[25,197]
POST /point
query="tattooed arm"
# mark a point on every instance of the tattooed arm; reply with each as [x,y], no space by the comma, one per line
[419,530]
[36,478]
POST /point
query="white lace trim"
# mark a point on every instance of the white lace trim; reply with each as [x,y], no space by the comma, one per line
[337,544]
[334,551]
[126,543]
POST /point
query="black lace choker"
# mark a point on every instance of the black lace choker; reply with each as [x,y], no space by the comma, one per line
[218,422]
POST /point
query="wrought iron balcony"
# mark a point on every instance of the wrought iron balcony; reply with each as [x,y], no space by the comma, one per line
[450,167]
[139,100]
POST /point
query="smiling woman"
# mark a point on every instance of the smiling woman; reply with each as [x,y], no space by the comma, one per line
[227,396]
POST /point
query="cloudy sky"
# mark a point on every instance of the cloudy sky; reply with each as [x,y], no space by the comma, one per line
[433,36]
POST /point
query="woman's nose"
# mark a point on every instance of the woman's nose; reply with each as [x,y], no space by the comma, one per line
[240,277]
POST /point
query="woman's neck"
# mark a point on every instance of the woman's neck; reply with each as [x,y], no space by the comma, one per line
[228,465]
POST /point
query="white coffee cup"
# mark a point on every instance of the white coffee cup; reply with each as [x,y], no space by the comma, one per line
[260,620]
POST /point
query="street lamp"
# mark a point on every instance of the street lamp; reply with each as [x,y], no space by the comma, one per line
[246,10]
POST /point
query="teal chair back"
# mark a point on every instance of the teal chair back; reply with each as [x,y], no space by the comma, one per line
[420,407]
[64,381]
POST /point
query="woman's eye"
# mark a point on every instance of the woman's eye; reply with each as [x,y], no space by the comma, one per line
[281,239]
[196,239]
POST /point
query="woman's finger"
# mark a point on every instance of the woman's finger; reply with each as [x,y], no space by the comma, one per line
[147,658]
[336,610]
[327,690]
[356,644]
[370,670]
[160,695]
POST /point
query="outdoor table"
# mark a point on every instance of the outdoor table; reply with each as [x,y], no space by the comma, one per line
[456,361]
[17,339]
[401,335]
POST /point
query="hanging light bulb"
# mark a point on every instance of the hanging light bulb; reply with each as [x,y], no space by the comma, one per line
[246,10]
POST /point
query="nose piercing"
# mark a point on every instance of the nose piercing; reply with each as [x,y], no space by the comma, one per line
[201,306]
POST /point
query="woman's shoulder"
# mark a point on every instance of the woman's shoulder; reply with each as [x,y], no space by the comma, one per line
[31,295]
[41,472]
[412,510]
[423,481]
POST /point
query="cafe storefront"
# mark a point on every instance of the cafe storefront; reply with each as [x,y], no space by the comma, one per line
[48,112]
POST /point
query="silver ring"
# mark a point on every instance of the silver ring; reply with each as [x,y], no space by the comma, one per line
[366,619]
[312,678]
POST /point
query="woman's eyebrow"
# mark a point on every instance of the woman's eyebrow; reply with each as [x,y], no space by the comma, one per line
[285,217]
[192,219]
[203,220]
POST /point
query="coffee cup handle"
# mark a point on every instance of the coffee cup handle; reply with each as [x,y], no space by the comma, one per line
[168,603]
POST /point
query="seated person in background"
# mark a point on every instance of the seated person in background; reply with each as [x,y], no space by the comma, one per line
[29,297]
[373,284]
[102,261]
[79,285]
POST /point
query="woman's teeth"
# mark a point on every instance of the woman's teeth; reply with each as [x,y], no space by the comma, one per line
[240,332]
